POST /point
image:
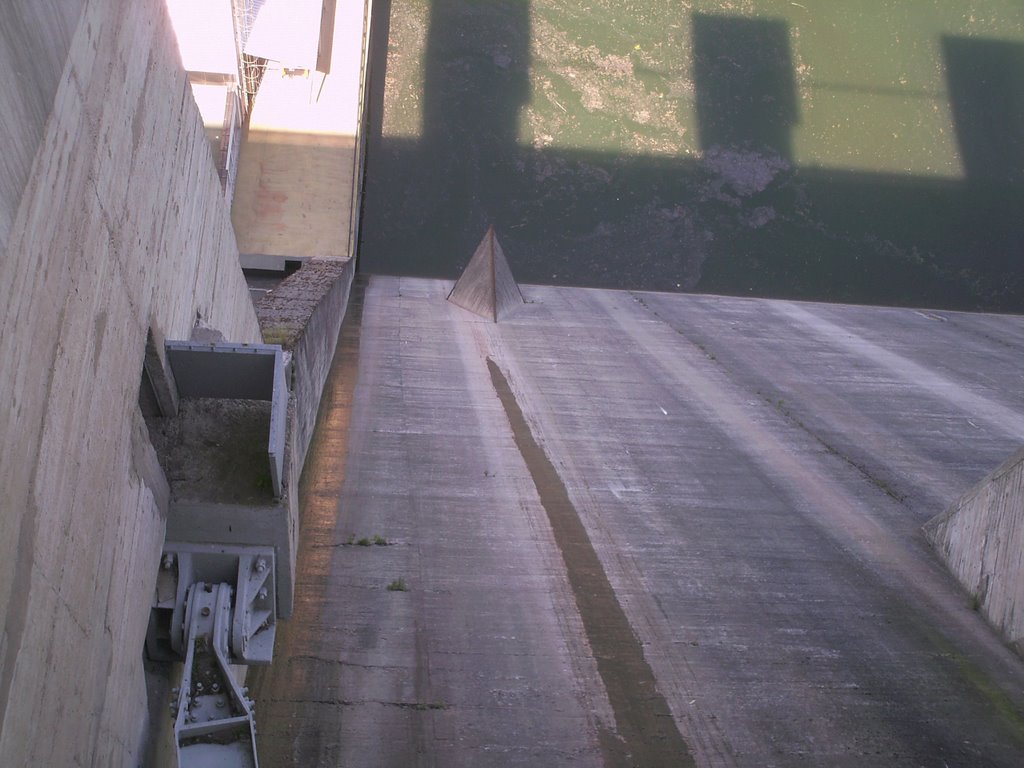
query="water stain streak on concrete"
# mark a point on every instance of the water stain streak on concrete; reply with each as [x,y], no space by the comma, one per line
[648,734]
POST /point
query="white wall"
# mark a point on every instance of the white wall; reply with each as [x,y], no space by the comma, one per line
[205,33]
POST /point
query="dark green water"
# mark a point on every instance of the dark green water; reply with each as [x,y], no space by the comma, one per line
[868,152]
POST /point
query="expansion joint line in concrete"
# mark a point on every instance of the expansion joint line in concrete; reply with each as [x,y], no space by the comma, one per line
[647,732]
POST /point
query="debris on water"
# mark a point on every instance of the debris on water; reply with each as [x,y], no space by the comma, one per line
[746,171]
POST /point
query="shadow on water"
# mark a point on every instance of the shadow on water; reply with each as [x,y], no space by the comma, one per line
[986,89]
[476,82]
[743,73]
[742,218]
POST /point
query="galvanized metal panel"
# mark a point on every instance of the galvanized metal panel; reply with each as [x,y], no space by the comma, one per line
[224,369]
[278,425]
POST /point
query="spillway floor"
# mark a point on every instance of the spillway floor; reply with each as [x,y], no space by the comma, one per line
[624,528]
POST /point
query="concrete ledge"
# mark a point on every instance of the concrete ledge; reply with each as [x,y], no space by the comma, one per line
[981,539]
[270,262]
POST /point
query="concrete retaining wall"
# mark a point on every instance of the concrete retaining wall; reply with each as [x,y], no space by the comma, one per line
[981,538]
[34,40]
[303,314]
[121,227]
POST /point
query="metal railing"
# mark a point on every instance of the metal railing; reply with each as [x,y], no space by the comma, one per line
[250,68]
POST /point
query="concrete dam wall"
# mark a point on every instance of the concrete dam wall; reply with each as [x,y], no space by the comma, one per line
[113,228]
[981,538]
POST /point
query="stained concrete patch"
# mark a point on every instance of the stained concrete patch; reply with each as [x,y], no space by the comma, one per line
[466,667]
[646,734]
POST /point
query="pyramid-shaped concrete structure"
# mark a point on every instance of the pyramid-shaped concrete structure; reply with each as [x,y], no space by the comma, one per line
[487,287]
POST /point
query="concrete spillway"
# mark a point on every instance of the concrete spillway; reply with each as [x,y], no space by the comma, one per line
[750,478]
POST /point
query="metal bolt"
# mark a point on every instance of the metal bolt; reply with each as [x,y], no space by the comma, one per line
[206,611]
[261,565]
[220,704]
[199,686]
[168,561]
[262,594]
[215,687]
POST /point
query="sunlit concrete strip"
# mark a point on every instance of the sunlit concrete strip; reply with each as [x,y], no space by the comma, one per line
[1005,420]
[205,34]
[206,41]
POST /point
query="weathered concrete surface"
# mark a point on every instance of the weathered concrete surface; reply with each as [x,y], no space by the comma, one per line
[470,658]
[121,228]
[752,476]
[303,314]
[297,193]
[34,41]
[981,538]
